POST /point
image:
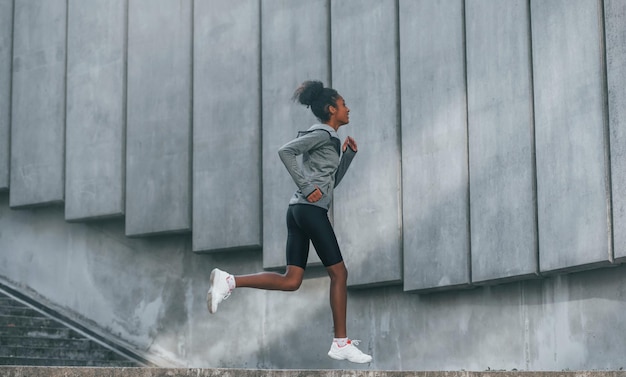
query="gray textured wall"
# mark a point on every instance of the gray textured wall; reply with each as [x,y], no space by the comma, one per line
[96,109]
[159,117]
[491,149]
[615,31]
[434,145]
[226,147]
[573,196]
[38,102]
[501,148]
[6,45]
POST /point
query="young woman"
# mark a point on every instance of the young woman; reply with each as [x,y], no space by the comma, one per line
[324,163]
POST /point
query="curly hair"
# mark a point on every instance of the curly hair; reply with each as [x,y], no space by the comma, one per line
[313,94]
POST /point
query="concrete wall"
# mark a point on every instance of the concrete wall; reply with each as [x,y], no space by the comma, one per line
[38,102]
[501,145]
[573,192]
[615,39]
[158,136]
[6,46]
[434,145]
[490,151]
[226,148]
[150,292]
[96,109]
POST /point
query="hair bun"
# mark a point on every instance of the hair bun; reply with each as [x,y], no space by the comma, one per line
[308,92]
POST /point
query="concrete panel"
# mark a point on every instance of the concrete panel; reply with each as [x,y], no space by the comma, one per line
[501,146]
[434,145]
[227,137]
[96,99]
[570,126]
[304,55]
[615,29]
[6,46]
[38,102]
[158,155]
[367,203]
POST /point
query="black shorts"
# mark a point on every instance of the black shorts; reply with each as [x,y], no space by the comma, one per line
[310,223]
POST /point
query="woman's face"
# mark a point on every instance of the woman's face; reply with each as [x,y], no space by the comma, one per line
[342,115]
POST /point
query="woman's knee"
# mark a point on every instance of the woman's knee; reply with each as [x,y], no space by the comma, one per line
[338,272]
[292,285]
[293,278]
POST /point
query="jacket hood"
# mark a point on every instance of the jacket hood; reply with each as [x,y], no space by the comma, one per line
[325,127]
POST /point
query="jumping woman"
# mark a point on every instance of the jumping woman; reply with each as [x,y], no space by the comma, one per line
[324,163]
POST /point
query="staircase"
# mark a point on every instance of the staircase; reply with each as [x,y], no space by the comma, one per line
[32,337]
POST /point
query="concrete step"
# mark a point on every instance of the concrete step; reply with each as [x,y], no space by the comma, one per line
[6,300]
[38,332]
[21,311]
[28,321]
[88,352]
[9,306]
[51,363]
[44,342]
[190,372]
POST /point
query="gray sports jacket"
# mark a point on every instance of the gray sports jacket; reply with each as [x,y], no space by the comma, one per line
[323,165]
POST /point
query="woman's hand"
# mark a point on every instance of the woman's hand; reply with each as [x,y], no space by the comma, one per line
[315,195]
[349,143]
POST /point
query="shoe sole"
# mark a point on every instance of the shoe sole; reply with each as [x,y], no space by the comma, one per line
[333,356]
[209,295]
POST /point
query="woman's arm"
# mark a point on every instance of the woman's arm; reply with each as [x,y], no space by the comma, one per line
[349,151]
[289,151]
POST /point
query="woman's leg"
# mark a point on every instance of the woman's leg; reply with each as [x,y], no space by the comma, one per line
[339,297]
[342,348]
[314,221]
[297,252]
[289,281]
[222,283]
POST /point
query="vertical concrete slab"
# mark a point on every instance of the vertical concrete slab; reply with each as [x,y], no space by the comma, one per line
[288,59]
[368,201]
[158,145]
[570,126]
[38,102]
[227,137]
[6,47]
[434,145]
[615,31]
[501,145]
[96,117]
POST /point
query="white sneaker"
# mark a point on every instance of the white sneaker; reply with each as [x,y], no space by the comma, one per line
[349,352]
[219,290]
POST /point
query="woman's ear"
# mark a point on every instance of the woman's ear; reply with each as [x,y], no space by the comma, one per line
[332,110]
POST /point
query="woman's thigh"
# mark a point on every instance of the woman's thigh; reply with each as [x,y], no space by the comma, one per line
[313,222]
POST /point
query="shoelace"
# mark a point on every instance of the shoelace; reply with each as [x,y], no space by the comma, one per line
[227,295]
[354,342]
